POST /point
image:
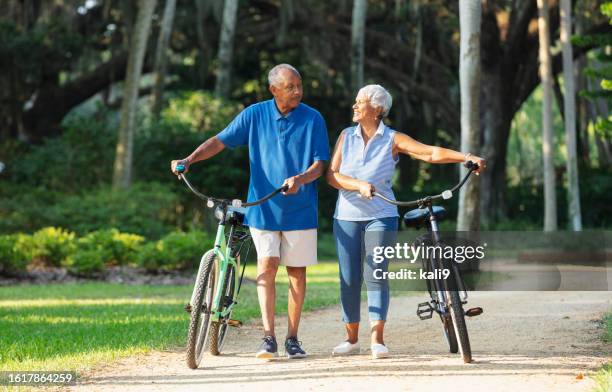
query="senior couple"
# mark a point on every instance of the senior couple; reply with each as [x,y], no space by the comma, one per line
[288,145]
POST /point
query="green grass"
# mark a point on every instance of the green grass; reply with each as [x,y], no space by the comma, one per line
[603,378]
[76,326]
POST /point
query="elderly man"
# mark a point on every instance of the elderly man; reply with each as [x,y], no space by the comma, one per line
[288,145]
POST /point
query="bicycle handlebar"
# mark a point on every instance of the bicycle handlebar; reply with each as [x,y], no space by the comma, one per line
[447,194]
[236,203]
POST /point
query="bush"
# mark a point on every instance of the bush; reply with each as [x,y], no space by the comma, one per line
[114,247]
[149,210]
[50,246]
[177,250]
[86,262]
[82,157]
[12,258]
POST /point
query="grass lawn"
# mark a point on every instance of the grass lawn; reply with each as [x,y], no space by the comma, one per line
[75,326]
[603,377]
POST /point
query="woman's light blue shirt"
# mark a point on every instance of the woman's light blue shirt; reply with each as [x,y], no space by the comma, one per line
[373,163]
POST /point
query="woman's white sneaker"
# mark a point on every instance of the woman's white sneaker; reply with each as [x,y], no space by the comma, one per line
[346,348]
[379,351]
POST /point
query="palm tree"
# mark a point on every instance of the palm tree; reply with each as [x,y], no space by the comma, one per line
[358,43]
[122,173]
[573,193]
[550,197]
[468,218]
[160,56]
[226,48]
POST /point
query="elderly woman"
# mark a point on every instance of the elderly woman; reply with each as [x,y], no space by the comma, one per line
[363,162]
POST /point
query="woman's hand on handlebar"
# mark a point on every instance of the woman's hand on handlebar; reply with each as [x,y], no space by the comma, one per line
[366,189]
[481,164]
[175,163]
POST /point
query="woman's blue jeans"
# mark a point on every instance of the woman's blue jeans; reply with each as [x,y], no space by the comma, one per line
[354,242]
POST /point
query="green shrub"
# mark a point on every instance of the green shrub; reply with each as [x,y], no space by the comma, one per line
[114,247]
[86,262]
[146,209]
[82,157]
[50,246]
[12,257]
[176,250]
[150,256]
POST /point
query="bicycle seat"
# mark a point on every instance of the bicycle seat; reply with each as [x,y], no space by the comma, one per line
[418,217]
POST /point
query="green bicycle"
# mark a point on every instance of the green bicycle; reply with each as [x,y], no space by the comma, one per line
[217,282]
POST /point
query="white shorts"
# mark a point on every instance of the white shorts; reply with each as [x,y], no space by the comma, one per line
[296,248]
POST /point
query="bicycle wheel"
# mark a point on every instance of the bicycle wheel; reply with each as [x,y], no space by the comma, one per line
[218,330]
[449,333]
[458,318]
[201,302]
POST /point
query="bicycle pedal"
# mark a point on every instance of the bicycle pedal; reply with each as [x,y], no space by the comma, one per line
[473,312]
[187,308]
[424,314]
[234,323]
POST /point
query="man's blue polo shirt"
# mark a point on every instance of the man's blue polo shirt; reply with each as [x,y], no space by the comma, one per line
[279,148]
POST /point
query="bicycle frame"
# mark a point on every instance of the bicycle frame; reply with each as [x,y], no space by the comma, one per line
[439,291]
[224,259]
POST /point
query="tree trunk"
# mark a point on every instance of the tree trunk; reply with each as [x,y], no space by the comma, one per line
[226,49]
[573,190]
[468,218]
[202,9]
[550,197]
[286,15]
[358,43]
[127,8]
[160,57]
[122,172]
[582,111]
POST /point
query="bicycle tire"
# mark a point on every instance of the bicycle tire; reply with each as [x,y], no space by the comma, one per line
[198,325]
[449,333]
[218,330]
[460,327]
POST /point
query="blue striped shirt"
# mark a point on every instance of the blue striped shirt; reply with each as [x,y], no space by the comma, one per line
[373,163]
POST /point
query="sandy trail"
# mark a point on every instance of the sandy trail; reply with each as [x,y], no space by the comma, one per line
[524,341]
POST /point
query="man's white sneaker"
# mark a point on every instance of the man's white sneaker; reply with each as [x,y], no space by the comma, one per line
[346,348]
[379,351]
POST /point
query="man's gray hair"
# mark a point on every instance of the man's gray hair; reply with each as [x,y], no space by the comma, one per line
[274,77]
[378,96]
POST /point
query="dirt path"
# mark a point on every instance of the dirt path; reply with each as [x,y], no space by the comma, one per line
[525,341]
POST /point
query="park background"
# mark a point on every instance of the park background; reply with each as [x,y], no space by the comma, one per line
[98,96]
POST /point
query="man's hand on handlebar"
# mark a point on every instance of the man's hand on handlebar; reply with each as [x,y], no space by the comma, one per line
[177,162]
[292,184]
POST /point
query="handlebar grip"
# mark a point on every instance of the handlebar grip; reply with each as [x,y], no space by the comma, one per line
[180,168]
[471,165]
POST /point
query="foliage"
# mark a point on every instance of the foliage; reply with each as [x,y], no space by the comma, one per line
[176,250]
[86,262]
[102,248]
[144,209]
[50,246]
[12,257]
[601,74]
[81,158]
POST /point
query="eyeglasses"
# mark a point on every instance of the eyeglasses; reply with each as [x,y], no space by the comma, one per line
[291,88]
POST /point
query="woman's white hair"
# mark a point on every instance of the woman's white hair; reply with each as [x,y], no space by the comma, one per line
[274,77]
[378,97]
